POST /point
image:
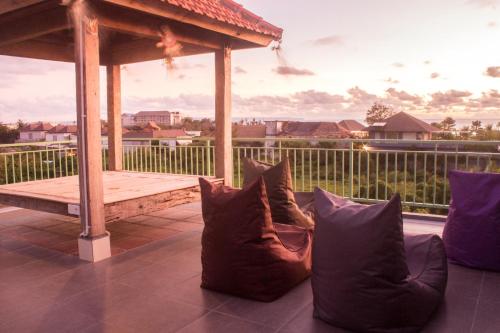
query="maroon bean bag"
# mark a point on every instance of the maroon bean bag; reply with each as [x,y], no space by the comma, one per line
[279,187]
[472,231]
[368,277]
[243,253]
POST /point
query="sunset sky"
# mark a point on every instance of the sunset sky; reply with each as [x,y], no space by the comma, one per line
[431,58]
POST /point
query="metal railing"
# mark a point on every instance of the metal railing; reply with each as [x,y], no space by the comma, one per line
[363,170]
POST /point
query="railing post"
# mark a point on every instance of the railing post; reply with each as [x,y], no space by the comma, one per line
[279,148]
[351,169]
[208,157]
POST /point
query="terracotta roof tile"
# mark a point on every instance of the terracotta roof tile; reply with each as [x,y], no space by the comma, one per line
[63,129]
[351,125]
[249,131]
[36,127]
[314,129]
[230,12]
[403,122]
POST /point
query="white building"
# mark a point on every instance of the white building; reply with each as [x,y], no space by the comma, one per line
[34,132]
[401,126]
[62,133]
[166,118]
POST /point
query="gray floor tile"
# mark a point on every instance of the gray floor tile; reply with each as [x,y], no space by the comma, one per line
[153,313]
[487,318]
[303,322]
[218,322]
[274,314]
[190,292]
[490,290]
[52,318]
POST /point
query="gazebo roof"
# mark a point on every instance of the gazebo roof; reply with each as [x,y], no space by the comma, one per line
[230,12]
[130,30]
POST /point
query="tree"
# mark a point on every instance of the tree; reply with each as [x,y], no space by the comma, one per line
[8,135]
[476,125]
[20,124]
[438,125]
[378,113]
[448,124]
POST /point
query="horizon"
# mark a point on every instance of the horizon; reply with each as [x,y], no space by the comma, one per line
[331,67]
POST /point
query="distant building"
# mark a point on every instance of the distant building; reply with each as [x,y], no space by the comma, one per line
[62,133]
[274,127]
[34,132]
[354,127]
[401,126]
[170,137]
[128,120]
[166,118]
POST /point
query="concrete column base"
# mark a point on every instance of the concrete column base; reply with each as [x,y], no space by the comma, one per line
[95,249]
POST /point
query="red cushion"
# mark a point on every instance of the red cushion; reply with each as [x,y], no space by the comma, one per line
[243,253]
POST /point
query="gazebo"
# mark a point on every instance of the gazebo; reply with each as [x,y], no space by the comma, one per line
[93,33]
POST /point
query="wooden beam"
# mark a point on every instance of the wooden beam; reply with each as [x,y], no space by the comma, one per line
[144,50]
[161,8]
[114,117]
[147,26]
[89,125]
[40,50]
[7,6]
[31,26]
[223,130]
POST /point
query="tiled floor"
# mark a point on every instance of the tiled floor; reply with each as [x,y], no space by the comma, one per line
[153,286]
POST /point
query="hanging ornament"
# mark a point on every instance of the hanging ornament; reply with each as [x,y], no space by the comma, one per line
[171,47]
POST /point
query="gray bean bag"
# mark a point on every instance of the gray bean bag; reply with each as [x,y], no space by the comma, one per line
[367,276]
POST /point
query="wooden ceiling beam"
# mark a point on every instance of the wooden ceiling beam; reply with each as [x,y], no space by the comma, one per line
[40,50]
[143,25]
[144,50]
[7,6]
[163,9]
[32,26]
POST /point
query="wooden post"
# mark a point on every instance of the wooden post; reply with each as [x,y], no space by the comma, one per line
[114,118]
[223,130]
[89,126]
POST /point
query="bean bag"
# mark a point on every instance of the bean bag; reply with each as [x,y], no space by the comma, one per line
[472,231]
[278,180]
[367,277]
[243,252]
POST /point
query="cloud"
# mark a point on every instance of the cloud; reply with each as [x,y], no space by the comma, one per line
[313,97]
[403,96]
[329,40]
[398,64]
[488,99]
[391,80]
[288,70]
[493,71]
[434,75]
[239,70]
[449,98]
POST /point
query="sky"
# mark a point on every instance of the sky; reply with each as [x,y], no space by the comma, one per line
[430,58]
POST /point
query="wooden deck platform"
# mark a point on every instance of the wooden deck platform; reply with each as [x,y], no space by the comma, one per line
[126,194]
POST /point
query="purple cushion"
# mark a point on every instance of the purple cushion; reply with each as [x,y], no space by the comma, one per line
[472,231]
[366,276]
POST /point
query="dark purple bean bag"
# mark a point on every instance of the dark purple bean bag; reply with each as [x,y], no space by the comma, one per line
[472,231]
[243,252]
[368,277]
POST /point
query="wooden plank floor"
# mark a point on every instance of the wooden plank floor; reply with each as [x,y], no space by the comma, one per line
[118,186]
[125,193]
